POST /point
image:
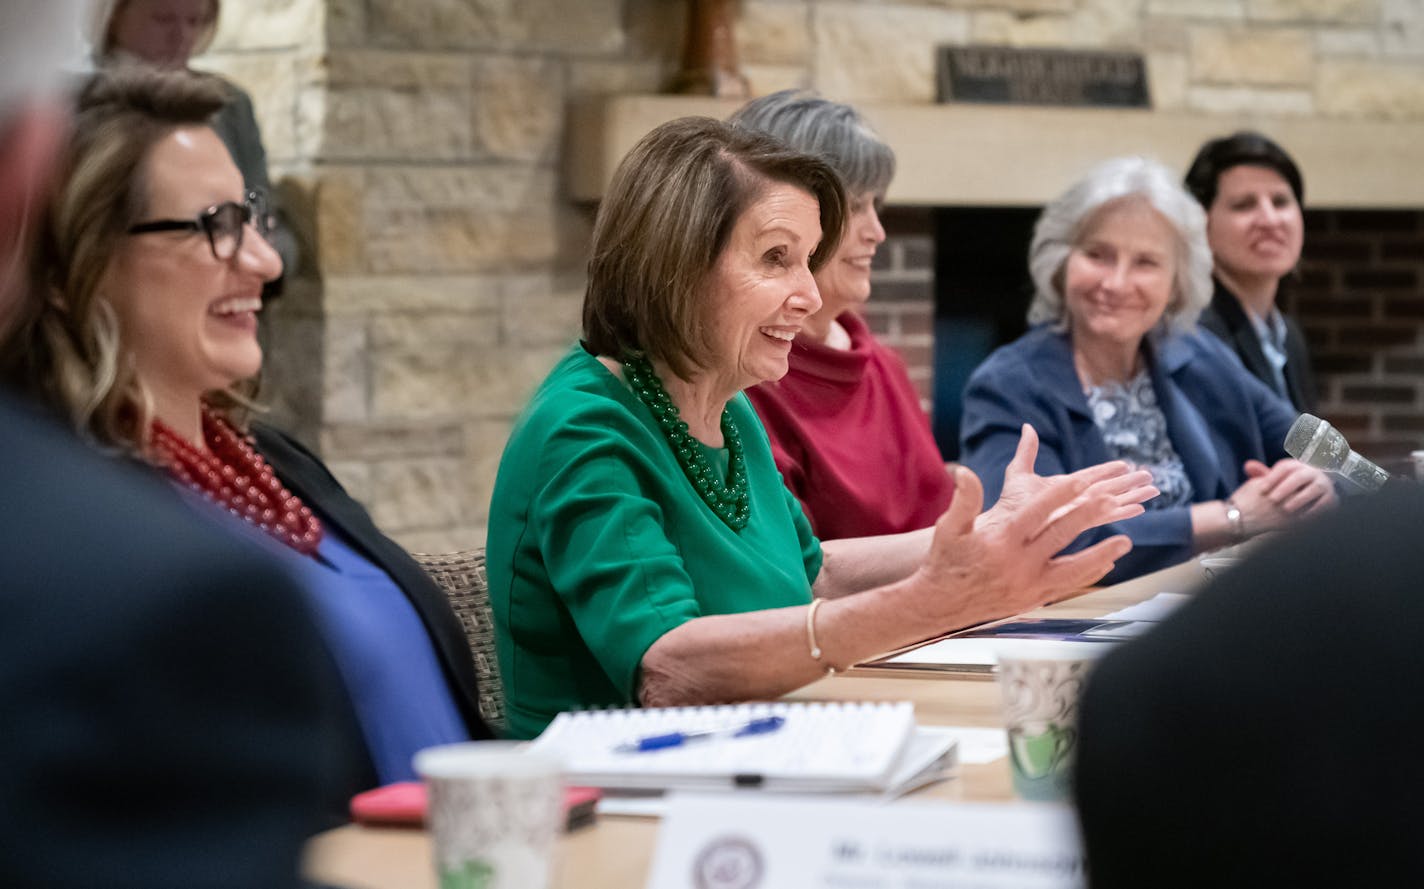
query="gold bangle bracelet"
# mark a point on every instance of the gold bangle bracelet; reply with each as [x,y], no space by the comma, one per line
[811,636]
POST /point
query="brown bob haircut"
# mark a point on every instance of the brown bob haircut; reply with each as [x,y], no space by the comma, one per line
[664,221]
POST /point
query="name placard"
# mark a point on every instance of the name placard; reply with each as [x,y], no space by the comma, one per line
[1005,75]
[746,841]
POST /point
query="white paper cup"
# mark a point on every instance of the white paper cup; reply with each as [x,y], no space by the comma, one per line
[1039,683]
[495,813]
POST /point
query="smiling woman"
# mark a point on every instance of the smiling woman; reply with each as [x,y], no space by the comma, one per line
[770,293]
[1116,370]
[845,422]
[642,546]
[1116,285]
[182,345]
[143,331]
[1252,192]
[167,34]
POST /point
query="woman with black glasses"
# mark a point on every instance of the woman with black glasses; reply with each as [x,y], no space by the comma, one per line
[167,34]
[144,334]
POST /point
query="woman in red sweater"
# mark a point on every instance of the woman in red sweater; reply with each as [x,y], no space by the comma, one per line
[845,423]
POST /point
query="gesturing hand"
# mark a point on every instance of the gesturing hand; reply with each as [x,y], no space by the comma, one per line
[1126,490]
[1006,560]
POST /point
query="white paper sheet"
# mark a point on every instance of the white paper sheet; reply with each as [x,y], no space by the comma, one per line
[978,746]
[1156,608]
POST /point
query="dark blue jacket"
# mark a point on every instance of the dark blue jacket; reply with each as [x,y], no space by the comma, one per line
[1228,320]
[1218,417]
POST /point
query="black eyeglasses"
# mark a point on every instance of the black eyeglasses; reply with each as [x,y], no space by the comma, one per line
[223,224]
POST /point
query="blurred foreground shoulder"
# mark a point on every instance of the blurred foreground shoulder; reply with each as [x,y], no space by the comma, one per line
[171,712]
[1255,737]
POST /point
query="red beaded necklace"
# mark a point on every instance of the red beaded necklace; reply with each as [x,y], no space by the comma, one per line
[234,476]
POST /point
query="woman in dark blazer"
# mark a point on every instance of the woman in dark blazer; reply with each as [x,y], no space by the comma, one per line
[1252,193]
[154,259]
[307,478]
[1116,371]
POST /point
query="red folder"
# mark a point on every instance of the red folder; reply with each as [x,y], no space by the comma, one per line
[403,803]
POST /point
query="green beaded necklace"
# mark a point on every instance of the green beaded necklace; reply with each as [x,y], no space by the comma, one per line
[730,501]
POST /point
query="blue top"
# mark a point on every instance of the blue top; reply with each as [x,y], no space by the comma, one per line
[383,653]
[1218,416]
[1272,333]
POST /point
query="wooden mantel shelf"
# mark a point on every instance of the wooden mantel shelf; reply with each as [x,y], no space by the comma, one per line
[981,155]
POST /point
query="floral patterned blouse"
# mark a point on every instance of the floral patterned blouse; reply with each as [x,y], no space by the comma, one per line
[1135,430]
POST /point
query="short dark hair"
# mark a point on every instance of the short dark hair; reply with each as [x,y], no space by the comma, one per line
[1244,148]
[666,218]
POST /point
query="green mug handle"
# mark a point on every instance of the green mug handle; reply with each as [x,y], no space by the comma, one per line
[1040,755]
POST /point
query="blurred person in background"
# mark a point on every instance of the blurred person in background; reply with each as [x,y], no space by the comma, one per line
[1252,192]
[643,547]
[1114,369]
[172,718]
[167,34]
[845,422]
[142,333]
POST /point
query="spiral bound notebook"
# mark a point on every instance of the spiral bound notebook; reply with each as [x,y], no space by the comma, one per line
[818,747]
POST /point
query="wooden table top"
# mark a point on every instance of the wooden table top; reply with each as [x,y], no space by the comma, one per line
[616,853]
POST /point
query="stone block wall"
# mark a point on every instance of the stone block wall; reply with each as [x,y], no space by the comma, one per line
[419,145]
[1346,58]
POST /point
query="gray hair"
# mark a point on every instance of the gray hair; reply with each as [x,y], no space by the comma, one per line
[1067,219]
[835,132]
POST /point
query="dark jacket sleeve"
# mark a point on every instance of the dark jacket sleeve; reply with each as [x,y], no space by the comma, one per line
[1300,373]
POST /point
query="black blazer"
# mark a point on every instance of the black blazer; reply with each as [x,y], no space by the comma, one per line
[306,476]
[1227,319]
[170,715]
[1267,734]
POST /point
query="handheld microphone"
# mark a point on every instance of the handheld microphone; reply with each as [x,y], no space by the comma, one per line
[1316,443]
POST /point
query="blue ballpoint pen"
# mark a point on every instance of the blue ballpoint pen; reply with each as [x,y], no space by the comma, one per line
[676,739]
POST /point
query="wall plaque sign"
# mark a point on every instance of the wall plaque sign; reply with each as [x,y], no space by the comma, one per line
[1004,75]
